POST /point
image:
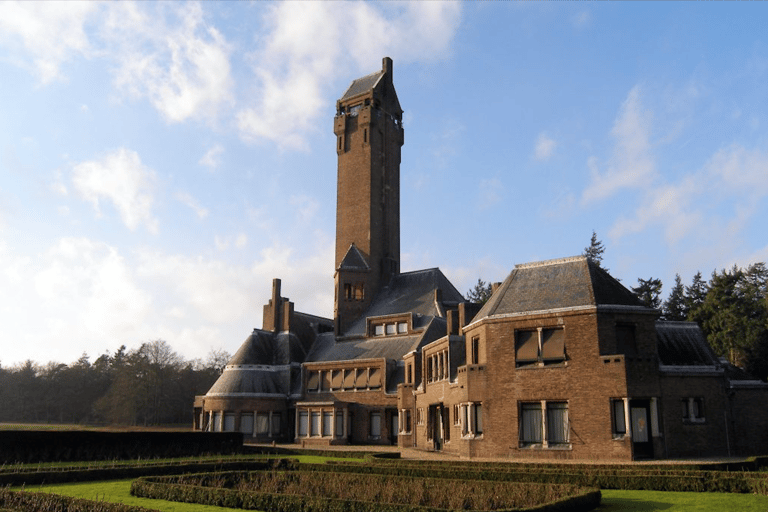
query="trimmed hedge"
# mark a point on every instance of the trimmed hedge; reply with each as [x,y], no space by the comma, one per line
[604,477]
[22,501]
[30,446]
[330,492]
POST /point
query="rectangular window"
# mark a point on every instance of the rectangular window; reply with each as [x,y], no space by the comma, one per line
[693,410]
[527,347]
[475,359]
[557,423]
[618,418]
[456,417]
[315,425]
[402,328]
[408,420]
[246,423]
[552,345]
[378,330]
[391,329]
[327,423]
[376,424]
[409,374]
[531,425]
[303,423]
[542,346]
[262,424]
[536,418]
[478,419]
[339,424]
[313,382]
[276,424]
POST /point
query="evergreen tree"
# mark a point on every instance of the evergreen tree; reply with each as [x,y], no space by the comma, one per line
[694,297]
[594,252]
[480,293]
[649,292]
[674,308]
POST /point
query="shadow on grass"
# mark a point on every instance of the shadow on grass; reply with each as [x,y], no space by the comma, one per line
[631,505]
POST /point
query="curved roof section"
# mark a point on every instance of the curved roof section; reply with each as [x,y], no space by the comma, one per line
[557,284]
[251,380]
[410,292]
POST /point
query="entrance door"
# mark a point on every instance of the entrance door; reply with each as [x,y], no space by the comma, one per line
[435,419]
[639,416]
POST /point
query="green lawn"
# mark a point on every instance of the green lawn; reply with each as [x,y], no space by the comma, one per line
[641,501]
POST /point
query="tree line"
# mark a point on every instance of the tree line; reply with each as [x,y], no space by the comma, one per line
[150,385]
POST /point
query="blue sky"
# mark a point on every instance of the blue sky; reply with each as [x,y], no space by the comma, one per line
[161,162]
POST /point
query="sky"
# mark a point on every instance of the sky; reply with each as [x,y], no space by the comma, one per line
[162,162]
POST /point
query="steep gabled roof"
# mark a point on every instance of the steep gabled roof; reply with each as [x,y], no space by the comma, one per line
[354,260]
[410,292]
[557,284]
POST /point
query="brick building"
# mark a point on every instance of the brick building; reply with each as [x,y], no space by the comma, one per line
[562,362]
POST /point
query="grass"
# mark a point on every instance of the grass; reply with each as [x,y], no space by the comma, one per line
[647,501]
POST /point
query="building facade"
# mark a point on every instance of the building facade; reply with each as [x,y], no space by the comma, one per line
[562,362]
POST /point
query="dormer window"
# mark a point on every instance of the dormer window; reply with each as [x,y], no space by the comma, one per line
[388,328]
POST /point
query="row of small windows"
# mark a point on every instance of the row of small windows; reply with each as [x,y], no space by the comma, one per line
[320,424]
[539,347]
[355,379]
[437,366]
[390,328]
[256,424]
[354,291]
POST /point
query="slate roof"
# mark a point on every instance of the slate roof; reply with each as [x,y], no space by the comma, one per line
[683,344]
[268,348]
[557,284]
[250,380]
[361,85]
[328,348]
[410,292]
[354,260]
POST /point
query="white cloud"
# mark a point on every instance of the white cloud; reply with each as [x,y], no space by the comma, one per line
[49,33]
[211,159]
[122,179]
[489,192]
[545,146]
[172,57]
[241,240]
[307,46]
[632,164]
[187,200]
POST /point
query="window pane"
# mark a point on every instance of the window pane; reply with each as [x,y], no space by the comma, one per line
[618,417]
[339,424]
[315,424]
[530,423]
[553,345]
[303,418]
[262,424]
[276,424]
[375,424]
[527,347]
[328,424]
[557,422]
[390,328]
[379,330]
[402,328]
[478,419]
[246,423]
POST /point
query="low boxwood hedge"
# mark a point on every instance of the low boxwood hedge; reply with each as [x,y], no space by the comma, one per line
[22,501]
[316,491]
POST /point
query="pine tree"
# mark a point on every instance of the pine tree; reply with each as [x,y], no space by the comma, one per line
[649,292]
[694,297]
[594,252]
[480,293]
[674,307]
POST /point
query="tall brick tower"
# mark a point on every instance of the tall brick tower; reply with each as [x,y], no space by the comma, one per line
[369,133]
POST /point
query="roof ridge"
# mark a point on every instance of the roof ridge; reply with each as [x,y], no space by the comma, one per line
[545,263]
